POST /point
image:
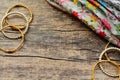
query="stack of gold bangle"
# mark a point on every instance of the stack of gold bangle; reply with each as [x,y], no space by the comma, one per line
[21,28]
[107,60]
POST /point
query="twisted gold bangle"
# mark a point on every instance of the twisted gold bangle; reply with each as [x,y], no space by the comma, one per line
[21,43]
[113,63]
[104,53]
[25,30]
[24,6]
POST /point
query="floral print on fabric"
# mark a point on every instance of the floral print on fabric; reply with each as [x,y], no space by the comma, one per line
[115,3]
[105,18]
[96,23]
[110,8]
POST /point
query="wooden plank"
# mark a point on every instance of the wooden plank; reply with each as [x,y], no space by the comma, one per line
[57,47]
[29,68]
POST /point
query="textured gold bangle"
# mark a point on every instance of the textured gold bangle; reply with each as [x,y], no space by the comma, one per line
[98,63]
[25,30]
[24,6]
[21,43]
[104,53]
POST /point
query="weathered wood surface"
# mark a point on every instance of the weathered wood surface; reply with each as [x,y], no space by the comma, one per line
[57,47]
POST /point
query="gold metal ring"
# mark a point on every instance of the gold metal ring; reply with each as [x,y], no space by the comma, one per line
[21,43]
[101,56]
[98,63]
[24,6]
[16,13]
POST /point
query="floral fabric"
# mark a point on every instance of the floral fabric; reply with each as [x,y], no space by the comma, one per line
[115,3]
[111,24]
[110,8]
[97,17]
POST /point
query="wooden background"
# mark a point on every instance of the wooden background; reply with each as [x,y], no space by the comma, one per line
[57,47]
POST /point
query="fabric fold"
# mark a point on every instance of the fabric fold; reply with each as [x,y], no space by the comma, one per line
[110,8]
[112,25]
[85,15]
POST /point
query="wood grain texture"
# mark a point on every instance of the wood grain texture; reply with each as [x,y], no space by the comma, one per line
[57,47]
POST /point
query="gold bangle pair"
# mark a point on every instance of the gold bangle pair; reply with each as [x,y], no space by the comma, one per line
[16,27]
[108,60]
[106,55]
[102,61]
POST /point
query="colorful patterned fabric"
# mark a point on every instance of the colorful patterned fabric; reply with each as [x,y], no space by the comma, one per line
[97,17]
[110,8]
[115,3]
[113,25]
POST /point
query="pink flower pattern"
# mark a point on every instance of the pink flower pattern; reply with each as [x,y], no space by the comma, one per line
[101,25]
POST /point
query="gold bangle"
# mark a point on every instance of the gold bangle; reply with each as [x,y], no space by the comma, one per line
[21,43]
[98,63]
[24,6]
[104,53]
[25,30]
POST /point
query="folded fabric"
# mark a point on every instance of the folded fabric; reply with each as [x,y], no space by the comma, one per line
[108,13]
[110,8]
[83,12]
[112,25]
[115,3]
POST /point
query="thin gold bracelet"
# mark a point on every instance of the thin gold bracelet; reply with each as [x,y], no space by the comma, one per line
[25,30]
[101,56]
[20,5]
[113,63]
[21,43]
